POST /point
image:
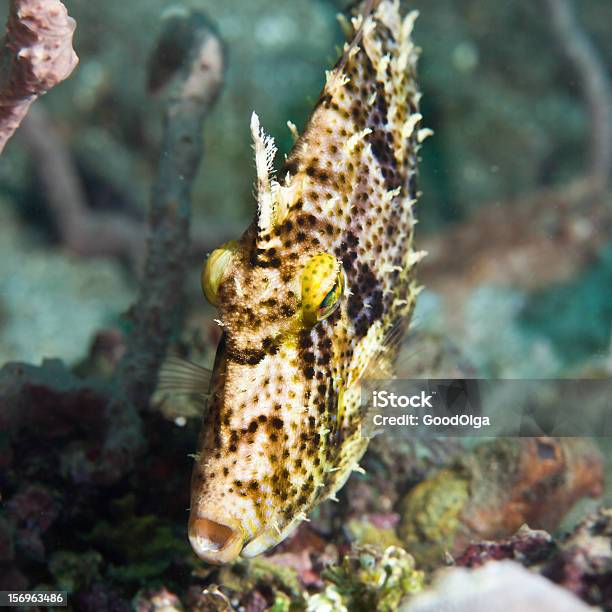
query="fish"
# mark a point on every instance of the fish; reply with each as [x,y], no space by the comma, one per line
[314,297]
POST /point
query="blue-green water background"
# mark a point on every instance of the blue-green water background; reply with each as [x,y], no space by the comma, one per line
[505,104]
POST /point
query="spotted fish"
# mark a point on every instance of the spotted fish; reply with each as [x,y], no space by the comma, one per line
[313,297]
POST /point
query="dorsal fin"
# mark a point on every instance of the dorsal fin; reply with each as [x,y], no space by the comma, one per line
[265,152]
[273,199]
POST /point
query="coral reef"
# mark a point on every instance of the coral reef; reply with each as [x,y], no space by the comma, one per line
[527,546]
[584,563]
[94,475]
[490,492]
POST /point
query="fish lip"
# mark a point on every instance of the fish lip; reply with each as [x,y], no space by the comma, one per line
[268,539]
[257,546]
[209,551]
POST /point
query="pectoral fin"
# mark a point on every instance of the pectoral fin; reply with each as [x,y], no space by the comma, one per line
[178,375]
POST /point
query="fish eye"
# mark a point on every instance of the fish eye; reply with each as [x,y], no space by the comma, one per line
[214,270]
[322,288]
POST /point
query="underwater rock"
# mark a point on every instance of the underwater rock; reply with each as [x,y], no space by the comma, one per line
[498,586]
[157,600]
[261,574]
[584,563]
[490,492]
[527,546]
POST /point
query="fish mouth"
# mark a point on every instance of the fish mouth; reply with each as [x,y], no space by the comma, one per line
[269,538]
[259,545]
[214,541]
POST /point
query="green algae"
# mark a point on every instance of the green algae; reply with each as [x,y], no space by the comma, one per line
[245,576]
[144,546]
[73,571]
[369,579]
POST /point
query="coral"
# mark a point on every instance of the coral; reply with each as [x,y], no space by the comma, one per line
[84,231]
[37,55]
[160,303]
[141,536]
[527,546]
[581,561]
[490,492]
[47,402]
[7,544]
[246,576]
[369,579]
[431,515]
[282,603]
[210,599]
[330,600]
[584,563]
[374,530]
[32,511]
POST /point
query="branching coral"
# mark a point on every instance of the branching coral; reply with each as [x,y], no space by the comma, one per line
[595,84]
[37,55]
[82,230]
[369,579]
